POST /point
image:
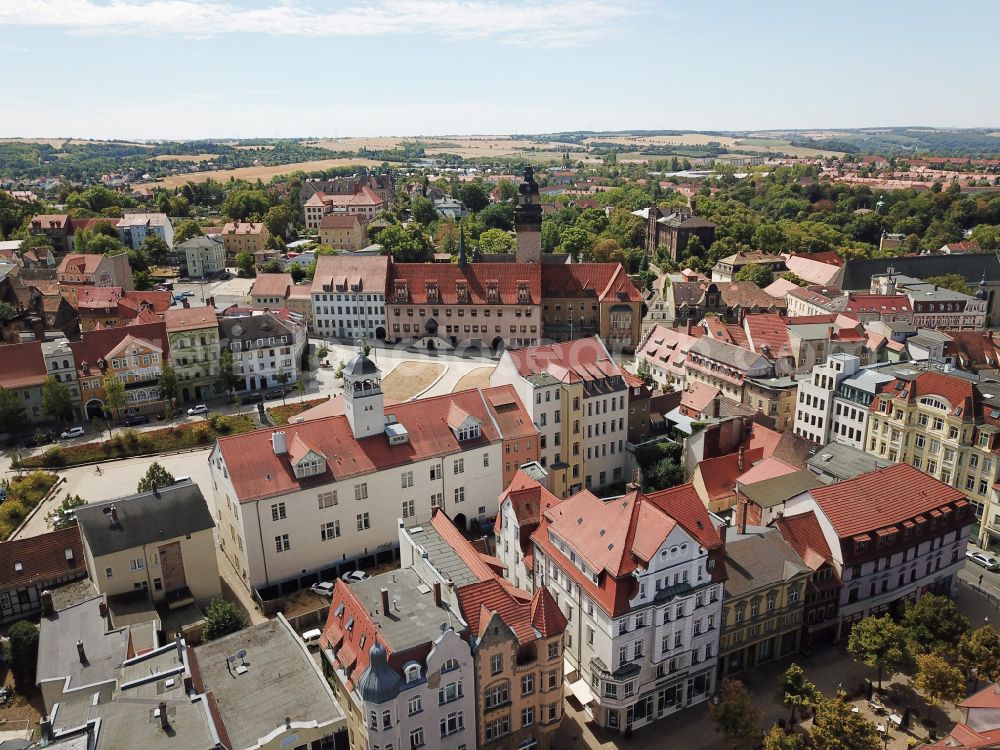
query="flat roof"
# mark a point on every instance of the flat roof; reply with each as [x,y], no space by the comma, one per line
[415,618]
[843,462]
[57,653]
[442,555]
[281,680]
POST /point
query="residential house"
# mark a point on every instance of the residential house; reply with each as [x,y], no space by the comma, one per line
[361,201]
[34,564]
[134,228]
[724,366]
[981,728]
[161,541]
[244,237]
[76,271]
[266,347]
[343,232]
[731,301]
[57,227]
[579,404]
[934,306]
[586,299]
[665,352]
[321,495]
[727,268]
[639,579]
[193,336]
[274,695]
[204,256]
[270,290]
[521,506]
[348,297]
[113,307]
[765,591]
[673,231]
[894,535]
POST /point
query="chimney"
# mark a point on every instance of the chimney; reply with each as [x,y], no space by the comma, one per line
[185,303]
[80,651]
[103,609]
[385,601]
[48,608]
[164,723]
[278,443]
[741,514]
[437,593]
[180,647]
[114,515]
[741,457]
[722,533]
[688,329]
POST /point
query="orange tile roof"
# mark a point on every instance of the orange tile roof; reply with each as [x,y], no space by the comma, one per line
[42,558]
[79,263]
[476,276]
[882,498]
[767,468]
[804,534]
[243,227]
[272,285]
[368,273]
[339,221]
[604,281]
[22,365]
[190,318]
[95,345]
[525,617]
[719,474]
[576,361]
[988,697]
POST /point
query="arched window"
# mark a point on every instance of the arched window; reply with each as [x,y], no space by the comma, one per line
[449,665]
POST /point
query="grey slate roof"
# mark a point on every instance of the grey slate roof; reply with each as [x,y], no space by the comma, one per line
[442,555]
[857,272]
[737,356]
[380,682]
[759,559]
[770,492]
[360,365]
[836,462]
[144,518]
[249,328]
[57,652]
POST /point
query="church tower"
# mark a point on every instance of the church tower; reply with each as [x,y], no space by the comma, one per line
[528,220]
[363,402]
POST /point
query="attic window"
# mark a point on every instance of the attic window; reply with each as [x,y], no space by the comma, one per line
[602,532]
[611,546]
[579,520]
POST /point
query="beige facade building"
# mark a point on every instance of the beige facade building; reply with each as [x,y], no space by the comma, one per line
[344,232]
[161,542]
[774,397]
[193,333]
[244,237]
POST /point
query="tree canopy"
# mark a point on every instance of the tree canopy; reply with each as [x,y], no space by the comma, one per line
[836,727]
[496,241]
[933,623]
[222,618]
[758,274]
[880,643]
[735,716]
[154,478]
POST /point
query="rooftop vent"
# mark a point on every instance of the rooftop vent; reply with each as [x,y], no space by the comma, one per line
[397,434]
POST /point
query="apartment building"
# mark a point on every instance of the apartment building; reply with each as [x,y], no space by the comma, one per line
[579,402]
[521,506]
[487,305]
[270,290]
[774,396]
[665,352]
[112,307]
[362,202]
[204,256]
[894,535]
[322,495]
[724,366]
[348,297]
[815,400]
[851,406]
[162,541]
[639,579]
[245,237]
[193,335]
[934,306]
[134,228]
[266,347]
[765,590]
[89,270]
[343,232]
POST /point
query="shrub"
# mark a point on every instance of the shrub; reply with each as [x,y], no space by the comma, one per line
[23,652]
[54,457]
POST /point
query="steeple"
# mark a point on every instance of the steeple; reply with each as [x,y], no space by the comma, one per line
[462,259]
[364,405]
[528,219]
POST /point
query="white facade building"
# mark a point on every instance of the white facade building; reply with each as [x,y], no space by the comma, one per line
[266,347]
[348,297]
[851,402]
[815,399]
[134,228]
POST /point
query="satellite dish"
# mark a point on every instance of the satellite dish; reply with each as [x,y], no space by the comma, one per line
[241,654]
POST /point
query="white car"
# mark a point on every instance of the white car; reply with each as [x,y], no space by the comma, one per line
[981,558]
[354,576]
[323,588]
[194,411]
[72,432]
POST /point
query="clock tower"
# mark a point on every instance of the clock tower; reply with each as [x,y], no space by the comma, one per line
[528,220]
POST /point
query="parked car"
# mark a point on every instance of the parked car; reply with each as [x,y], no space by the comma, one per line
[136,420]
[981,558]
[178,298]
[194,411]
[277,392]
[311,637]
[72,432]
[252,398]
[354,576]
[226,276]
[187,293]
[323,588]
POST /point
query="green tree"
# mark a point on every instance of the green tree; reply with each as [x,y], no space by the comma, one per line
[422,209]
[408,244]
[244,265]
[168,388]
[282,377]
[241,205]
[272,266]
[223,618]
[474,195]
[154,478]
[94,242]
[836,727]
[778,739]
[114,395]
[938,680]
[7,311]
[57,401]
[880,643]
[577,242]
[278,219]
[64,517]
[497,216]
[796,692]
[300,389]
[979,654]
[178,206]
[735,716]
[496,241]
[758,274]
[23,637]
[933,623]
[185,230]
[228,379]
[643,372]
[155,248]
[12,414]
[953,281]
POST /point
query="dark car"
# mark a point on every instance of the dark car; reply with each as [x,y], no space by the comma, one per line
[226,276]
[39,438]
[136,420]
[252,398]
[277,393]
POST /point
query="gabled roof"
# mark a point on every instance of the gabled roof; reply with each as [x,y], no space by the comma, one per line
[95,345]
[528,498]
[41,558]
[882,498]
[607,282]
[339,221]
[767,468]
[719,474]
[580,360]
[476,277]
[804,534]
[272,285]
[760,559]
[369,273]
[22,365]
[190,318]
[538,617]
[244,227]
[988,697]
[79,263]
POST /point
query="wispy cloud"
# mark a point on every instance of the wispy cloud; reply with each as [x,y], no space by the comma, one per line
[550,22]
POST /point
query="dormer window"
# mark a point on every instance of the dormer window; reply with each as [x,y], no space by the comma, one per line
[492,292]
[402,294]
[462,290]
[523,297]
[432,292]
[470,431]
[412,672]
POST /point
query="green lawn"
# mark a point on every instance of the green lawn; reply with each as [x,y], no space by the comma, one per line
[23,494]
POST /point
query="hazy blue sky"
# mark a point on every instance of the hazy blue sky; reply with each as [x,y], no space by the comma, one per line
[244,68]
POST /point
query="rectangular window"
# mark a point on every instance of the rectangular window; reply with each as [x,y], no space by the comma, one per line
[363,522]
[527,684]
[361,491]
[459,494]
[277,511]
[408,509]
[328,531]
[327,499]
[281,543]
[459,466]
[137,564]
[496,664]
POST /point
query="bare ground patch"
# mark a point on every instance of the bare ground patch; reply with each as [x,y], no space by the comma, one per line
[409,378]
[478,378]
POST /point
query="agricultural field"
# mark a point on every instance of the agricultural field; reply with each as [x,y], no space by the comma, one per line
[749,144]
[466,146]
[185,157]
[264,173]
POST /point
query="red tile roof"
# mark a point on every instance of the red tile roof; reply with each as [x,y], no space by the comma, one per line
[988,697]
[272,285]
[190,318]
[95,345]
[524,616]
[964,737]
[47,220]
[668,348]
[698,396]
[22,365]
[257,472]
[366,273]
[363,196]
[339,221]
[97,297]
[42,558]
[882,498]
[574,361]
[243,227]
[767,468]
[509,413]
[767,333]
[79,263]
[604,281]
[883,304]
[804,534]
[719,474]
[415,278]
[529,500]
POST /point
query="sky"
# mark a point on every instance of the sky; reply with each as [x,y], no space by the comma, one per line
[185,69]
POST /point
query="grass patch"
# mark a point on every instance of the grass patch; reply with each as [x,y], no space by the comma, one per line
[281,414]
[23,494]
[131,443]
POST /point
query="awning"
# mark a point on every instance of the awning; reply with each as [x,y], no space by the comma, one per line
[568,668]
[581,691]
